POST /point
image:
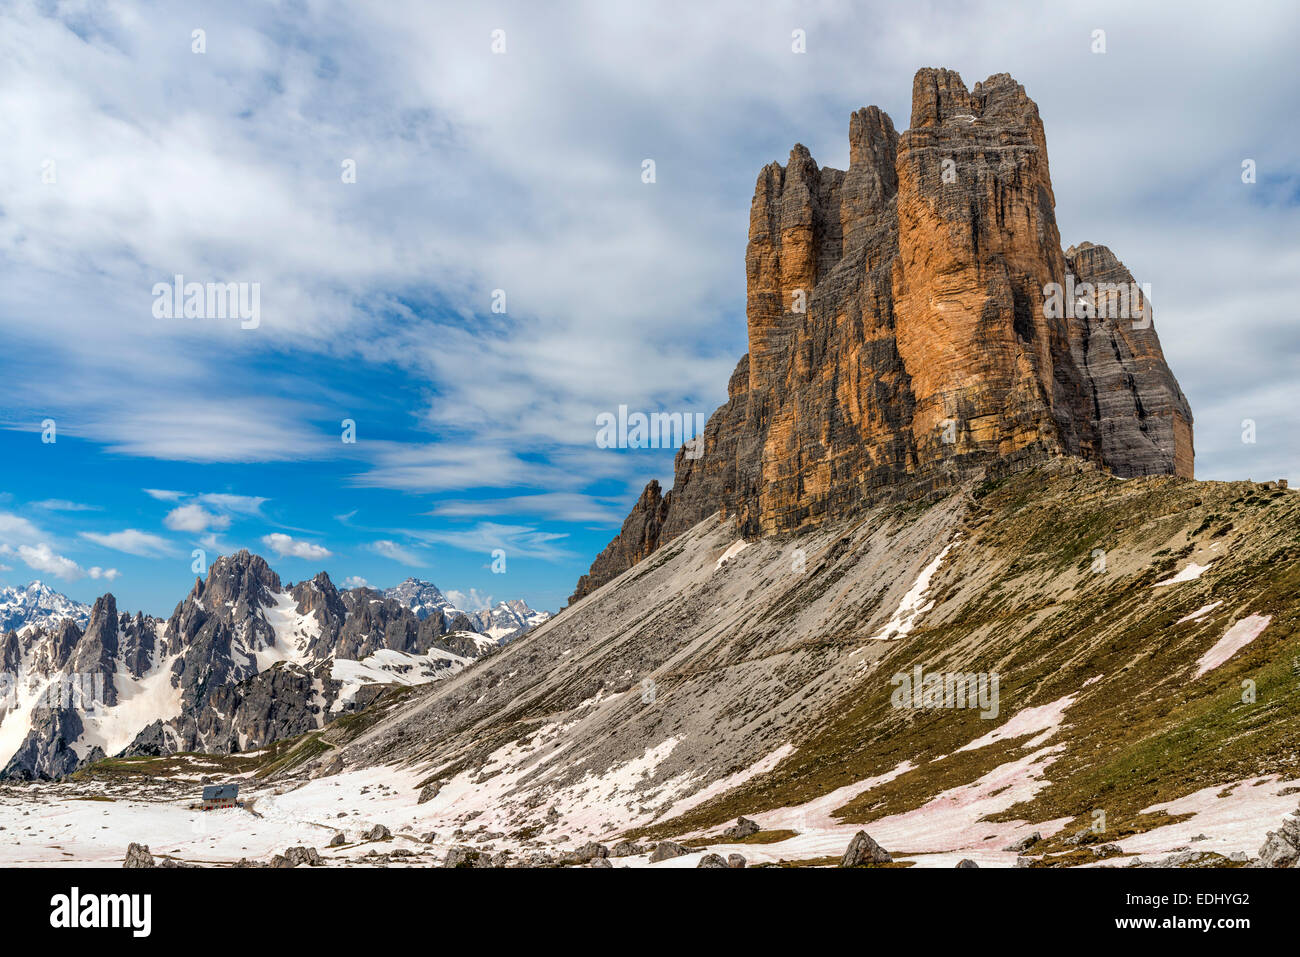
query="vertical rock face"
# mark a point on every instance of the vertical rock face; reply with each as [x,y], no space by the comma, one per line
[903,335]
[1143,422]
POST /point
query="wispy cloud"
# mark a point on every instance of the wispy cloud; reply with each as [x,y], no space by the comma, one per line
[398,553]
[518,541]
[471,600]
[132,541]
[559,506]
[240,504]
[164,495]
[63,505]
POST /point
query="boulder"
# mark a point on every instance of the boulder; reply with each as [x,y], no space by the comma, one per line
[338,840]
[735,860]
[1281,848]
[585,853]
[461,856]
[303,855]
[665,850]
[137,855]
[966,862]
[712,860]
[742,829]
[429,792]
[863,850]
[626,849]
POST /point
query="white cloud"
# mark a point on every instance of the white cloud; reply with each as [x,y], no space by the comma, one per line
[44,559]
[132,541]
[15,528]
[195,518]
[618,291]
[106,573]
[286,546]
[355,581]
[398,553]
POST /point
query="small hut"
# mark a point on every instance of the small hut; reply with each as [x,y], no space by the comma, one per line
[219,796]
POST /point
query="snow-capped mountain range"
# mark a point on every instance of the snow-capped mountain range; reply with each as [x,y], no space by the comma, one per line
[38,604]
[242,661]
[503,621]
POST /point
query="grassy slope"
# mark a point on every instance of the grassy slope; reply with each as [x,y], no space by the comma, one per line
[1020,599]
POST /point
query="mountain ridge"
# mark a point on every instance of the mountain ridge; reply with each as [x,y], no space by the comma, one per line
[243,659]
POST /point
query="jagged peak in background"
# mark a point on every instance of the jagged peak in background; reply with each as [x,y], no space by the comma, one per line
[244,659]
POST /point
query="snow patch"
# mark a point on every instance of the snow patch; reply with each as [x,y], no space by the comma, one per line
[1234,639]
[1199,613]
[1192,572]
[735,549]
[913,605]
[1044,719]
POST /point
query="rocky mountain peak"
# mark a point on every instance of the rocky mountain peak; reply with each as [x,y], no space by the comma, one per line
[38,604]
[242,576]
[902,337]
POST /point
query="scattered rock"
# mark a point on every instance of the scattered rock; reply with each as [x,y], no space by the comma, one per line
[1025,843]
[338,840]
[743,828]
[137,855]
[600,862]
[428,837]
[863,850]
[377,833]
[712,860]
[303,855]
[1281,848]
[626,849]
[585,853]
[429,792]
[462,856]
[666,850]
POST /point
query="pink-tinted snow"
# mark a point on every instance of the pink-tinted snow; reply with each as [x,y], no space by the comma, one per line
[1234,639]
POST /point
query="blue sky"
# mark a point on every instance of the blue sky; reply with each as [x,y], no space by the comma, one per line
[128,158]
